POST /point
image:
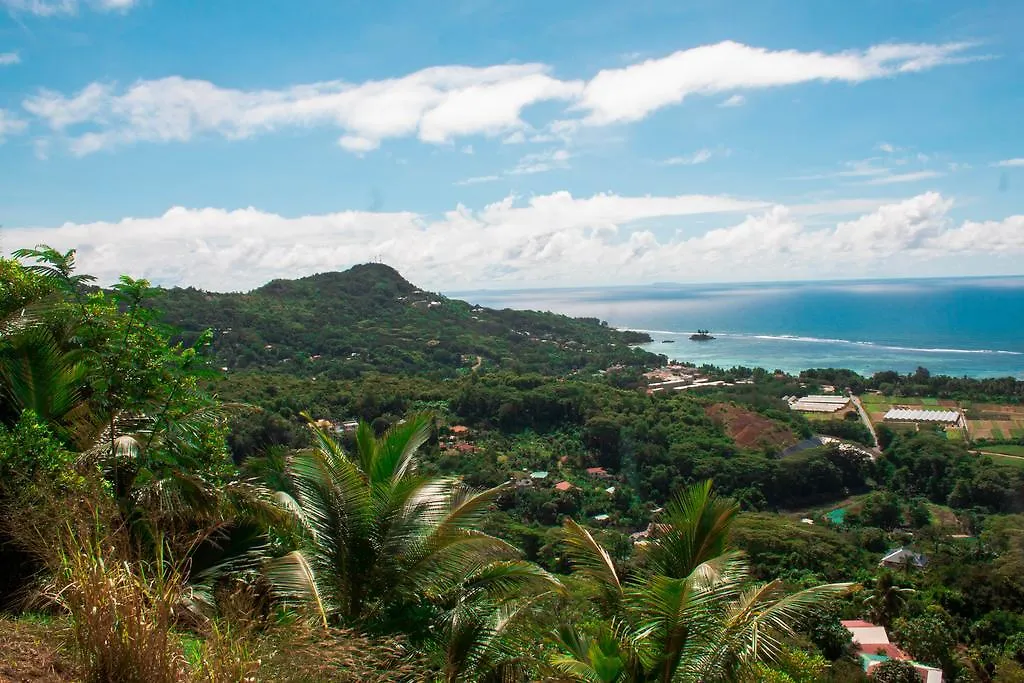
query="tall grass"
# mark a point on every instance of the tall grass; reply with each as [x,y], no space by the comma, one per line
[120,609]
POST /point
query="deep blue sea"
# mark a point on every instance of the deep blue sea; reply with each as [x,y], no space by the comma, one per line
[972,327]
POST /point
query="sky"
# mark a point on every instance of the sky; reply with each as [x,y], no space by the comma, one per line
[515,143]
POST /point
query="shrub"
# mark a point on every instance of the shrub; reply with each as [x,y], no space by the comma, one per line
[895,671]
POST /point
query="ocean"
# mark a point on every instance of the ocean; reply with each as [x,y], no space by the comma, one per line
[962,327]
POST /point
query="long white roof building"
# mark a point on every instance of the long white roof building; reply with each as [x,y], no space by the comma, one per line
[916,415]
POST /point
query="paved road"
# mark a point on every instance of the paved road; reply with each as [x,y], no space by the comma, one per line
[865,419]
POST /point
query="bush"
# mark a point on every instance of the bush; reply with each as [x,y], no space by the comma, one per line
[895,671]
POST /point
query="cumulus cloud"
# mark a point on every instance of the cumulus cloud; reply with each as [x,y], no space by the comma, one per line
[10,125]
[556,238]
[546,236]
[434,104]
[50,8]
[439,104]
[733,101]
[1008,163]
[9,58]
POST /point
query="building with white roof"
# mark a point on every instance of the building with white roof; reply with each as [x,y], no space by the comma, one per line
[818,404]
[917,415]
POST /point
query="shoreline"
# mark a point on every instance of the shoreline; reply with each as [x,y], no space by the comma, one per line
[794,354]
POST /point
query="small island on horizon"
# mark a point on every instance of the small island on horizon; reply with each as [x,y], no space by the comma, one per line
[701,336]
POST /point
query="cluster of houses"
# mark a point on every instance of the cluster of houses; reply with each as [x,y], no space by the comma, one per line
[525,479]
[677,377]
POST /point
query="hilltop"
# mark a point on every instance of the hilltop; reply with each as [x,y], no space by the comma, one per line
[369,317]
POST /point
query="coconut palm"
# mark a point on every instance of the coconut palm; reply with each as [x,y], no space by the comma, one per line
[691,612]
[887,599]
[380,538]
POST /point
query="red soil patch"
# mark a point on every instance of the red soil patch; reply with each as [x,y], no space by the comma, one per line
[28,653]
[749,429]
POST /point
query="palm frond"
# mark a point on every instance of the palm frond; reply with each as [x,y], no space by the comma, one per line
[588,557]
[37,375]
[393,456]
[292,576]
[698,527]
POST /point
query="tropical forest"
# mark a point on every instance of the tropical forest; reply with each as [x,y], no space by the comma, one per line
[346,478]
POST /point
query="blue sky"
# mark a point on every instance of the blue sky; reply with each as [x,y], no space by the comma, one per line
[515,143]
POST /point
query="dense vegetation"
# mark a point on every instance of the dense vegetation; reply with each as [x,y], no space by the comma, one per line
[179,522]
[340,325]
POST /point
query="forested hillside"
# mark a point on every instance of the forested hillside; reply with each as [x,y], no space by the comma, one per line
[369,317]
[531,514]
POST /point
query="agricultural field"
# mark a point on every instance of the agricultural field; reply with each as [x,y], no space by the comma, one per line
[994,421]
[984,420]
[877,405]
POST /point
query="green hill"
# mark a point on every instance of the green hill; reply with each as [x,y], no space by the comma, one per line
[369,317]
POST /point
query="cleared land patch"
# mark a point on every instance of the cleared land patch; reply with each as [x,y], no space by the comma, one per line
[749,429]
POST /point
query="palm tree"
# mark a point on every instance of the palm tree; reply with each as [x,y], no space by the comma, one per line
[690,612]
[380,537]
[887,599]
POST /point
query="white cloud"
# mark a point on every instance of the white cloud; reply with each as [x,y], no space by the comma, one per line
[1009,163]
[439,104]
[554,238]
[357,144]
[887,148]
[476,180]
[10,125]
[631,93]
[542,161]
[699,157]
[50,8]
[468,149]
[221,249]
[435,104]
[733,101]
[9,58]
[911,177]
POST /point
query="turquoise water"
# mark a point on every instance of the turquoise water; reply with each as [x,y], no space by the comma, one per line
[972,327]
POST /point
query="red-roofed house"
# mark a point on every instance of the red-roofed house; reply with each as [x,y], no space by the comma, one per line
[564,486]
[873,645]
[597,472]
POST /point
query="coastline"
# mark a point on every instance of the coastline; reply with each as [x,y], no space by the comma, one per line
[793,354]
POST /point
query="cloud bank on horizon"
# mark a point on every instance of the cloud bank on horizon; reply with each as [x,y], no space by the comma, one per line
[510,161]
[549,239]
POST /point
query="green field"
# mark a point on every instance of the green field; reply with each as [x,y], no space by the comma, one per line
[929,401]
[1005,450]
[1008,461]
